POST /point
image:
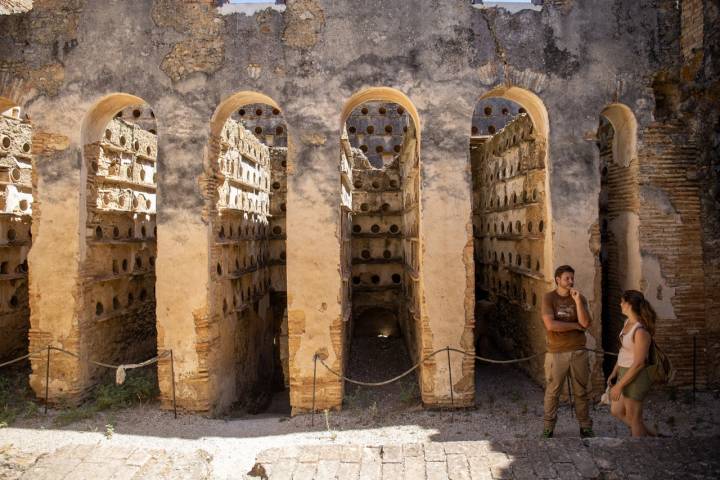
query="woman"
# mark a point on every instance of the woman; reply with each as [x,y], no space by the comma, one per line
[633,381]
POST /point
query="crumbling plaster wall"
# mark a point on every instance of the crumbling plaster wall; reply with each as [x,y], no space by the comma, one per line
[310,59]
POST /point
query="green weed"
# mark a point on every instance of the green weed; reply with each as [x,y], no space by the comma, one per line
[409,393]
[13,399]
[134,390]
[109,396]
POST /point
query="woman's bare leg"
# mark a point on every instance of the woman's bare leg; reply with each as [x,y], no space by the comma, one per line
[617,408]
[634,411]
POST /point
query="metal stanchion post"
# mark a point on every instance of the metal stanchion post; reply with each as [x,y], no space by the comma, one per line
[312,418]
[47,379]
[452,395]
[172,373]
[694,366]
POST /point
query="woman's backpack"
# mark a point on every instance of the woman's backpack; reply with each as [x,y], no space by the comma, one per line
[659,366]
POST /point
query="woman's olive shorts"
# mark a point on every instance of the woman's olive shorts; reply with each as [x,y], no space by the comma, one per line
[639,387]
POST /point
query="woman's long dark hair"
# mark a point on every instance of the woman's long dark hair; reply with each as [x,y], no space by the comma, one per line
[642,308]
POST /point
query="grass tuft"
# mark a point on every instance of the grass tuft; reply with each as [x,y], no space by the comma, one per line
[110,396]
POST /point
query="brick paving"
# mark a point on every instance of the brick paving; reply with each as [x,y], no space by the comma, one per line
[565,458]
[80,462]
[597,458]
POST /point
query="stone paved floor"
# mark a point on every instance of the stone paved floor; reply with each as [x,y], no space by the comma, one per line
[80,462]
[567,458]
[598,458]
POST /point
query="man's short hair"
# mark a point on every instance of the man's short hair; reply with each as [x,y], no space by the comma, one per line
[563,269]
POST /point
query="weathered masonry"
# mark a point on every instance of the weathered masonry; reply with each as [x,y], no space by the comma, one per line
[252,187]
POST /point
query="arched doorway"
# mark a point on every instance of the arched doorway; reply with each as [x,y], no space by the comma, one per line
[619,219]
[118,204]
[380,155]
[246,208]
[511,224]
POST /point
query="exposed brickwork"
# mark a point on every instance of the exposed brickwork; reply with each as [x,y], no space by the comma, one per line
[691,39]
[671,232]
[705,97]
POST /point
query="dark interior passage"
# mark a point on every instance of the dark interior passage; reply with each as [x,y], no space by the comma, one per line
[250,235]
[381,243]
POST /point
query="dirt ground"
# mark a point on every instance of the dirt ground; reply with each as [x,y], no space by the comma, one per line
[508,406]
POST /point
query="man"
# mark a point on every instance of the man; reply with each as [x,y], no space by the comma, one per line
[566,318]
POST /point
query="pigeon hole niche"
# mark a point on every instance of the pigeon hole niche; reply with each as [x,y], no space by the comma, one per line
[381,187]
[510,228]
[117,323]
[15,236]
[248,257]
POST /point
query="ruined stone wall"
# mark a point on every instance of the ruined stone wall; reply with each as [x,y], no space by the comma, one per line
[702,72]
[311,59]
[691,37]
[414,323]
[116,322]
[670,237]
[15,236]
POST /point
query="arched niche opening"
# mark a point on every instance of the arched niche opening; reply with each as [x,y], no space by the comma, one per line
[16,199]
[380,212]
[248,290]
[119,248]
[511,224]
[619,218]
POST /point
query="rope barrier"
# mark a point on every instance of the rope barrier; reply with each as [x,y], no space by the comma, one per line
[448,349]
[119,369]
[386,382]
[10,362]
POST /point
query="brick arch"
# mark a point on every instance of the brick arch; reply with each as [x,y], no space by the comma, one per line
[234,102]
[102,112]
[529,101]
